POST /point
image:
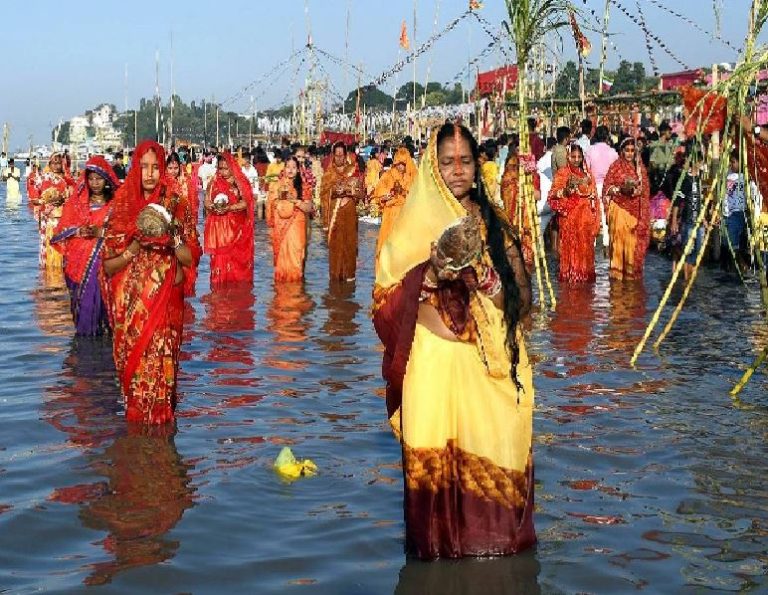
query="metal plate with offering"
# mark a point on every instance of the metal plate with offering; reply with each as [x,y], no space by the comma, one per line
[460,244]
[51,195]
[221,200]
[629,185]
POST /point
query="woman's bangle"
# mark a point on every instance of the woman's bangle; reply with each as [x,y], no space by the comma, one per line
[127,255]
[178,242]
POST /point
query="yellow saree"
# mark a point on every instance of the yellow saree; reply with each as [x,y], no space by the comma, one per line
[464,425]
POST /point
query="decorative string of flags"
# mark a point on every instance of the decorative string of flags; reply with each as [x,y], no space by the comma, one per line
[423,48]
[650,34]
[646,33]
[692,23]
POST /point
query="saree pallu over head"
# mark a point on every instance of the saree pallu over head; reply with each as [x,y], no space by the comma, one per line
[229,237]
[465,426]
[579,223]
[77,212]
[146,303]
[82,256]
[629,217]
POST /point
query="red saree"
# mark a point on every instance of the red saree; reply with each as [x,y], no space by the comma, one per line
[629,219]
[579,224]
[147,305]
[229,236]
[289,235]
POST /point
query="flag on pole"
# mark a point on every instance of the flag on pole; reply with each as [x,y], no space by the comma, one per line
[404,43]
[582,43]
[607,84]
[475,5]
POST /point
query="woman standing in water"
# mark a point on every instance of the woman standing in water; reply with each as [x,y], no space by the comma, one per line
[187,186]
[450,292]
[626,192]
[229,224]
[79,237]
[149,242]
[56,185]
[291,201]
[573,197]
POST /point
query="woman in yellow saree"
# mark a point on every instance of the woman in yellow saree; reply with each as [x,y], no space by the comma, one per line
[450,291]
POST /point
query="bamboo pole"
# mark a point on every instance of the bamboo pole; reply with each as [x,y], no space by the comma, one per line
[749,372]
[604,47]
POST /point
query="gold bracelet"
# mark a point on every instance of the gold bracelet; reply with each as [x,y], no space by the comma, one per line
[127,255]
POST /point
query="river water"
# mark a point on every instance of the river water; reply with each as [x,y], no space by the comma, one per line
[650,479]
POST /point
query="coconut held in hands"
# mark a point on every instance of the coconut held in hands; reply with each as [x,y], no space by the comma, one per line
[154,221]
[460,244]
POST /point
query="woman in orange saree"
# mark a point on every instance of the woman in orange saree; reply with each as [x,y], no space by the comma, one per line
[79,237]
[148,243]
[573,197]
[391,191]
[626,190]
[229,224]
[459,383]
[292,203]
[509,193]
[56,185]
[186,186]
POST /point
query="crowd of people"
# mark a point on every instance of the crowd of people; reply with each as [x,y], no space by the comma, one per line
[453,263]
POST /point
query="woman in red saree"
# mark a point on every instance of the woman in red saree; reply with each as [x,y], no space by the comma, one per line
[145,265]
[573,197]
[79,237]
[459,383]
[292,204]
[187,186]
[626,191]
[229,224]
[56,185]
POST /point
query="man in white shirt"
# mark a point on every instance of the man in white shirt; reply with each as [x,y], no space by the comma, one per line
[600,157]
[585,140]
[11,175]
[251,173]
[544,167]
[207,171]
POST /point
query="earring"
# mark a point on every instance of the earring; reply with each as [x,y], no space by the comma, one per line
[474,185]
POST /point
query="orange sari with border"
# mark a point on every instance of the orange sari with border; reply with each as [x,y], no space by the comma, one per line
[289,234]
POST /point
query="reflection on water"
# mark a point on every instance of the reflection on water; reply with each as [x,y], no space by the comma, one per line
[517,575]
[145,493]
[647,479]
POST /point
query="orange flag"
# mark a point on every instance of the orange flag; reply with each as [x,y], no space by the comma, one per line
[404,43]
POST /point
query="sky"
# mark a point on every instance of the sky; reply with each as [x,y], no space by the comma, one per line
[62,59]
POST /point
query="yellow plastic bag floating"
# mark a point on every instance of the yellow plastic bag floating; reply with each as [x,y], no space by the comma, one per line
[289,468]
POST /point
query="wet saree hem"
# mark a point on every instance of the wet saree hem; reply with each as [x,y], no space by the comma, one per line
[459,504]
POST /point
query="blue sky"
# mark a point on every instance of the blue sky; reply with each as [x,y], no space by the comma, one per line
[64,58]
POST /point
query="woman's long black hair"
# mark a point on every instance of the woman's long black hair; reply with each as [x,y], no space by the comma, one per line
[297,178]
[499,232]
